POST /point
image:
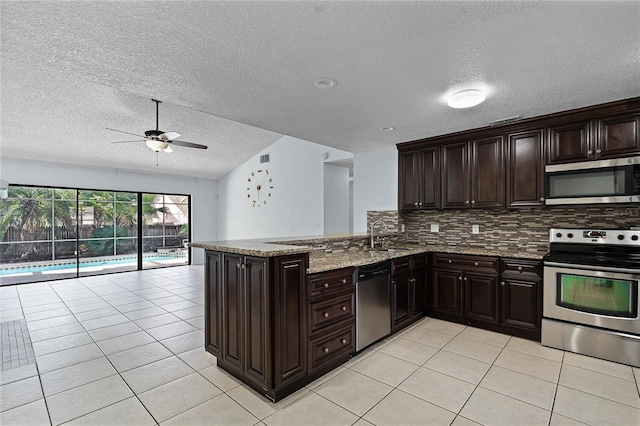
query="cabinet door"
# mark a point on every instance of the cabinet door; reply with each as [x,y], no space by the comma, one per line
[400,301]
[257,347]
[618,137]
[455,176]
[232,310]
[570,142]
[487,175]
[289,324]
[446,291]
[521,303]
[481,297]
[419,288]
[409,180]
[525,169]
[429,178]
[212,311]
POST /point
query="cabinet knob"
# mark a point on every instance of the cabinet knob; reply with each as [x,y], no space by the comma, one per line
[598,151]
[473,201]
[465,278]
[420,203]
[344,308]
[542,199]
[502,283]
[325,350]
[449,260]
[344,281]
[415,204]
[343,341]
[459,278]
[475,263]
[589,152]
[520,268]
[238,265]
[466,202]
[243,266]
[325,314]
[326,285]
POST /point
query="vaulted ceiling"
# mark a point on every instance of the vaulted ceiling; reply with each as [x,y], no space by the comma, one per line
[236,76]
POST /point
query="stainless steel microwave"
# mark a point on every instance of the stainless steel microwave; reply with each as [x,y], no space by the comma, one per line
[592,182]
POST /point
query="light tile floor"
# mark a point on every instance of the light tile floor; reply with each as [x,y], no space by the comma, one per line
[128,349]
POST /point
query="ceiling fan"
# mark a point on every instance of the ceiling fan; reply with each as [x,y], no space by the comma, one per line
[158,140]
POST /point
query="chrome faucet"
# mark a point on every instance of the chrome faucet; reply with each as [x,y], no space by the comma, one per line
[372,226]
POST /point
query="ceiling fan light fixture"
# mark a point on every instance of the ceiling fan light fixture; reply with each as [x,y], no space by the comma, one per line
[157,146]
[466,98]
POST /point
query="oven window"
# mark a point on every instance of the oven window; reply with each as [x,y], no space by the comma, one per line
[596,295]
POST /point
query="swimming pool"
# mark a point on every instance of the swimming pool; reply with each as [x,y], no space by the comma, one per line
[103,263]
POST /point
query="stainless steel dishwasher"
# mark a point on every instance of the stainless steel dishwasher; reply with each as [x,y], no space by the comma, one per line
[373,304]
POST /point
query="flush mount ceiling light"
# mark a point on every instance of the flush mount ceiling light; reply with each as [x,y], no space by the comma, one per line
[387,129]
[466,98]
[325,83]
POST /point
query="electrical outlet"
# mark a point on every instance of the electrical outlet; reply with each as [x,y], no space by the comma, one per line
[435,228]
[402,228]
[475,229]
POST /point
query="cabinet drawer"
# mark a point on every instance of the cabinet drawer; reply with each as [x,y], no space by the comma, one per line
[465,262]
[330,347]
[520,266]
[331,311]
[330,282]
[400,266]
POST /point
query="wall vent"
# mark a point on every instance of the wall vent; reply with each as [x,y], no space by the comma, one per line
[264,158]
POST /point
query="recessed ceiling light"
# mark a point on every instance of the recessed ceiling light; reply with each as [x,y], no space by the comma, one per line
[325,83]
[387,129]
[466,98]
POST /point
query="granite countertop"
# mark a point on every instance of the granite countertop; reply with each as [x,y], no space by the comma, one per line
[259,248]
[321,262]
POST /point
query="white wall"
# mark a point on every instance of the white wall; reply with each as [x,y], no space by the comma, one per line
[202,191]
[296,206]
[375,184]
[336,200]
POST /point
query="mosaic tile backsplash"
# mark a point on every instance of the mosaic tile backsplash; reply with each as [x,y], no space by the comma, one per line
[522,229]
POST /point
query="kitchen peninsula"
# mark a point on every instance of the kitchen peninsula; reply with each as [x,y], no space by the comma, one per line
[280,313]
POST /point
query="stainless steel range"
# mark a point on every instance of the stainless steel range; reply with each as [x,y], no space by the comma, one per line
[590,287]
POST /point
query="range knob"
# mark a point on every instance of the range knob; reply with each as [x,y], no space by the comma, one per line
[634,237]
[559,235]
[620,237]
[570,235]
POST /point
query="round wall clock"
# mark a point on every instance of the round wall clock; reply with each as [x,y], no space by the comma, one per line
[259,187]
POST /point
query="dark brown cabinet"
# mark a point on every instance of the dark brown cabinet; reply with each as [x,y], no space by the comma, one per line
[480,296]
[521,296]
[525,169]
[331,319]
[254,317]
[419,179]
[611,137]
[408,290]
[473,174]
[447,292]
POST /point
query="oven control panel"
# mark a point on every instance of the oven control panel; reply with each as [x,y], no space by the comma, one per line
[595,236]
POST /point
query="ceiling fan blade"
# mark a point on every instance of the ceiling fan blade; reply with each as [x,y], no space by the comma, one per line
[126,133]
[187,144]
[140,140]
[169,135]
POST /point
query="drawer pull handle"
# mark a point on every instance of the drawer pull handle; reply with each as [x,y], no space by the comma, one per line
[325,314]
[344,308]
[326,285]
[343,341]
[502,283]
[344,281]
[449,260]
[475,264]
[325,350]
[520,268]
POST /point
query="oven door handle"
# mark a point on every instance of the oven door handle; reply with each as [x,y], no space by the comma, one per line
[599,268]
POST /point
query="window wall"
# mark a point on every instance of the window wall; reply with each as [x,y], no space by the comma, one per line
[52,233]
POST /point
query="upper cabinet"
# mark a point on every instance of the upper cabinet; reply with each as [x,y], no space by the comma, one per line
[473,174]
[598,139]
[418,179]
[503,166]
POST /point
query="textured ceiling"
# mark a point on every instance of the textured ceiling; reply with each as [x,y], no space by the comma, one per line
[235,76]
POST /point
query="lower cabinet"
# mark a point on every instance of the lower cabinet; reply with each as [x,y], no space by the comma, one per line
[408,290]
[502,295]
[254,318]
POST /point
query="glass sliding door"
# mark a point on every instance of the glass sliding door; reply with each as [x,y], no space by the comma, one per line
[37,235]
[107,223]
[165,230]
